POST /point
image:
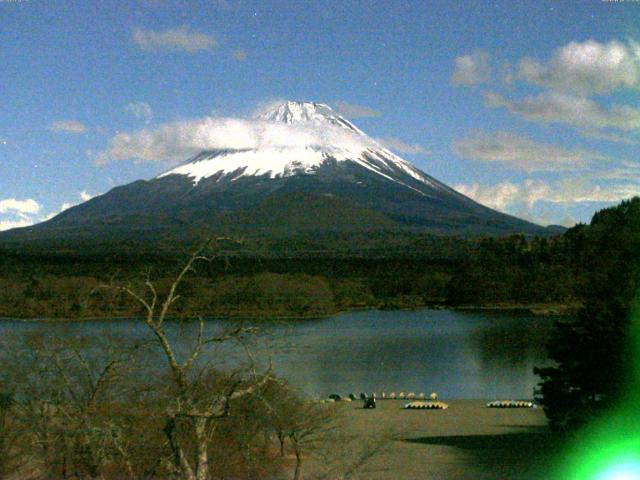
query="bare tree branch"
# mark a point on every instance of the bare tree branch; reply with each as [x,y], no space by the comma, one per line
[171,297]
[235,333]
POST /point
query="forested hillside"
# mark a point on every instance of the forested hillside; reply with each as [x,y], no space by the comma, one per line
[305,280]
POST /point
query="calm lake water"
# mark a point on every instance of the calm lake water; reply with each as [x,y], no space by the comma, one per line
[457,354]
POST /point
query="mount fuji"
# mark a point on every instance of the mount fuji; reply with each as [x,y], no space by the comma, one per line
[305,170]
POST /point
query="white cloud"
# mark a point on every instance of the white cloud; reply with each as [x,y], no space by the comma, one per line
[587,67]
[503,195]
[522,153]
[399,146]
[521,198]
[174,142]
[15,206]
[179,38]
[22,213]
[625,170]
[471,69]
[579,190]
[18,213]
[85,196]
[351,110]
[140,110]
[612,137]
[239,54]
[577,111]
[9,224]
[531,199]
[69,126]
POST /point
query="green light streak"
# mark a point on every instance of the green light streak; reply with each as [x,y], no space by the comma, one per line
[610,448]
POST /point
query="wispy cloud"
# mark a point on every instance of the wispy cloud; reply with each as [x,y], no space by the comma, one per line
[398,145]
[69,126]
[574,72]
[472,69]
[180,38]
[176,141]
[351,110]
[522,153]
[140,110]
[503,195]
[520,198]
[587,67]
[580,112]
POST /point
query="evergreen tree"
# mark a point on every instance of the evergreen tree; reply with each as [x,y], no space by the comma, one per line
[592,352]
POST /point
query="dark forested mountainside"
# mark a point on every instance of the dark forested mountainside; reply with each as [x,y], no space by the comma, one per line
[351,186]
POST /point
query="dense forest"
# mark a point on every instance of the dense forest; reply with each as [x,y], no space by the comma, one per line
[493,272]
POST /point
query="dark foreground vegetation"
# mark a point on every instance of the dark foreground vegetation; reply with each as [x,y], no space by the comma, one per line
[595,362]
[243,281]
[67,414]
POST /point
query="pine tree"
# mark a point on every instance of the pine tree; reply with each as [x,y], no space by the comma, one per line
[592,352]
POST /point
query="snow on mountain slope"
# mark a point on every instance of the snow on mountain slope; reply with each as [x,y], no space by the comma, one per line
[301,170]
[344,143]
[293,113]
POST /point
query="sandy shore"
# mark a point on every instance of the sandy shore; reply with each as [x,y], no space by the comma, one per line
[466,441]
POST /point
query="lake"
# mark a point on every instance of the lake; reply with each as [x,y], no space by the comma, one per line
[459,354]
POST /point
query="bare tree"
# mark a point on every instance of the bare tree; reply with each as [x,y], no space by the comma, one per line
[190,409]
[64,398]
[308,425]
[303,423]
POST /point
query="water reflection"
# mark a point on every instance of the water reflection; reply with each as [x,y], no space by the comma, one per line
[457,354]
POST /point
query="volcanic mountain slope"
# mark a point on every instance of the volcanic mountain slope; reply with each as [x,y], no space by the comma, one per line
[326,176]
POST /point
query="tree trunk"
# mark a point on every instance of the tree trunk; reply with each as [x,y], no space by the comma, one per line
[297,475]
[202,469]
[181,464]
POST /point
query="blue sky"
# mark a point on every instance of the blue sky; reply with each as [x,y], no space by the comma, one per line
[531,107]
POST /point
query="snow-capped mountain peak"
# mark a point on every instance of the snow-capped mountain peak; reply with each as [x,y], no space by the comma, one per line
[301,113]
[299,169]
[330,138]
[295,112]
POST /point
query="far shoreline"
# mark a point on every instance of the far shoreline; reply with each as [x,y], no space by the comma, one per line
[542,309]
